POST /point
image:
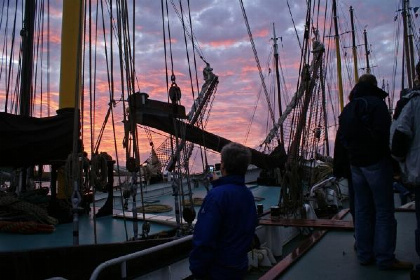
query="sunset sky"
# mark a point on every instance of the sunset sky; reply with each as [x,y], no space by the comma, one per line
[222,38]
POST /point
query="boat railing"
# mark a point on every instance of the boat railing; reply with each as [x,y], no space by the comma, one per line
[322,184]
[122,260]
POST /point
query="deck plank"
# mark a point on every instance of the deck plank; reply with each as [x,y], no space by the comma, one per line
[318,223]
[284,264]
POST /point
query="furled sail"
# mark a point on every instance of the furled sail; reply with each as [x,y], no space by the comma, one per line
[26,141]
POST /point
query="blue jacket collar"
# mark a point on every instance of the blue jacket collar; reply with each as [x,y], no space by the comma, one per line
[229,179]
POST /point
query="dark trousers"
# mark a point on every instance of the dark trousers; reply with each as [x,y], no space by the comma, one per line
[375,225]
[417,232]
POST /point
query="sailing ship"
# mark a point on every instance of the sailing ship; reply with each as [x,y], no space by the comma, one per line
[294,154]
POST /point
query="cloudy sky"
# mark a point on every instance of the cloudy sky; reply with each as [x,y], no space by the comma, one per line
[222,38]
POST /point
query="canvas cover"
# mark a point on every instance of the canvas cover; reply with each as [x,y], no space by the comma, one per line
[26,141]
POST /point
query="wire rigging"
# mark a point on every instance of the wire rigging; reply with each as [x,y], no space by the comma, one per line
[270,107]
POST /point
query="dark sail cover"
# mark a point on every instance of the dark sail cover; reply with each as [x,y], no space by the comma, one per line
[27,141]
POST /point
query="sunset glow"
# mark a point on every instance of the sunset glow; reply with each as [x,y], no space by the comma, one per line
[221,38]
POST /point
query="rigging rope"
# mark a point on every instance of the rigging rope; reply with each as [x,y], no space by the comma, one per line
[186,51]
[270,108]
[189,33]
[294,25]
[9,71]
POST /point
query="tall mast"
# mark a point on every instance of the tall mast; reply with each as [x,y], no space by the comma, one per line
[276,57]
[354,47]
[27,34]
[25,104]
[403,71]
[337,47]
[70,90]
[70,71]
[367,52]
[410,42]
[406,44]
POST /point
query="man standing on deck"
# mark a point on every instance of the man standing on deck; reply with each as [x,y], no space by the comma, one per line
[226,221]
[365,126]
[406,149]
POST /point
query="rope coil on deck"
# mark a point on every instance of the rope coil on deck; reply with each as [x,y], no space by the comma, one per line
[12,205]
[197,201]
[156,208]
[25,227]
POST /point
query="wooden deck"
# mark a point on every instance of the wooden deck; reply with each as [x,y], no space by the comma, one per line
[329,254]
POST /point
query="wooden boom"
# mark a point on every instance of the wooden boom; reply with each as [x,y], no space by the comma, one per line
[167,117]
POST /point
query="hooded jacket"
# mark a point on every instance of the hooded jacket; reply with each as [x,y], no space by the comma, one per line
[365,125]
[406,139]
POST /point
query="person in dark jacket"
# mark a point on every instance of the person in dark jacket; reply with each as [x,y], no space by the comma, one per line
[341,169]
[226,221]
[365,126]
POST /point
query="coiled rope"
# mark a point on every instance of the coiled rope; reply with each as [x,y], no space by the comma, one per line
[12,205]
[25,227]
[155,208]
[99,170]
[197,201]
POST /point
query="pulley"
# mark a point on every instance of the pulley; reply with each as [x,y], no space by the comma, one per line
[131,165]
[174,93]
[317,132]
[146,229]
[126,194]
[188,214]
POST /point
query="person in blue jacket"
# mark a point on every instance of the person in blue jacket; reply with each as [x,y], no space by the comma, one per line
[226,221]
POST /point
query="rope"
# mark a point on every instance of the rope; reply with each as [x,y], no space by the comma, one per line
[291,191]
[25,227]
[11,58]
[99,171]
[186,50]
[294,25]
[321,172]
[270,107]
[197,201]
[11,204]
[156,208]
[68,171]
[189,33]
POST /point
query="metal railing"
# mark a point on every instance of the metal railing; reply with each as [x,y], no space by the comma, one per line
[123,259]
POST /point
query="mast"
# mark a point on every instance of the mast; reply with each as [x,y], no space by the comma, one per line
[276,58]
[337,49]
[70,90]
[70,71]
[354,47]
[367,52]
[406,44]
[410,42]
[403,71]
[27,34]
[25,104]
